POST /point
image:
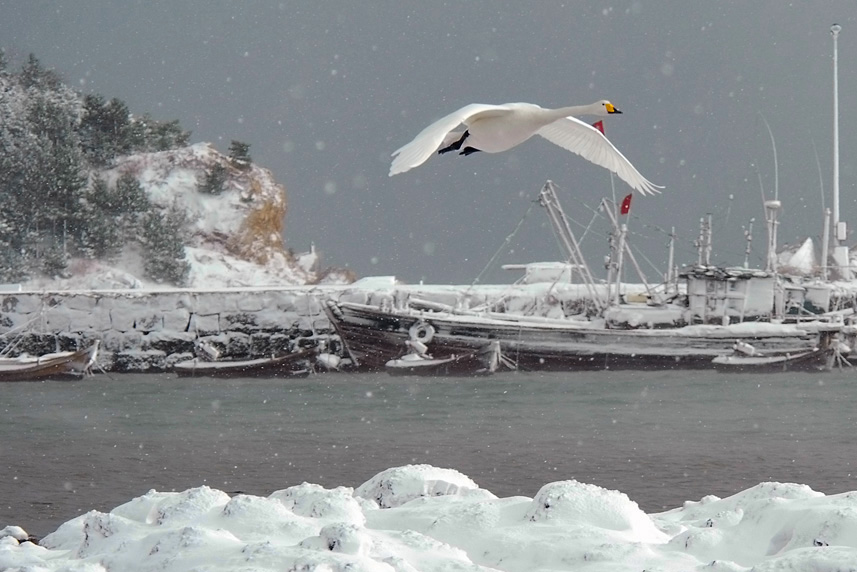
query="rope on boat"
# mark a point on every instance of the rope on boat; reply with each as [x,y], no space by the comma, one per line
[503,246]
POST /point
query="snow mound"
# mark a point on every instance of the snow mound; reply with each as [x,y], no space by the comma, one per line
[781,519]
[581,504]
[15,532]
[314,501]
[394,487]
[449,524]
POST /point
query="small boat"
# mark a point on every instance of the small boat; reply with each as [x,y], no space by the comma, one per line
[812,360]
[483,361]
[59,365]
[290,365]
[829,353]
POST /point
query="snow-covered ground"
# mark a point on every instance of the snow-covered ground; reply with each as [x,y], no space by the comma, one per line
[425,518]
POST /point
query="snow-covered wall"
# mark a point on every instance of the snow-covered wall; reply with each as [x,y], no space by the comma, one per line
[151,330]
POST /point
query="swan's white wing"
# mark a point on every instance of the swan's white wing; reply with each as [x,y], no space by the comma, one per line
[429,140]
[581,138]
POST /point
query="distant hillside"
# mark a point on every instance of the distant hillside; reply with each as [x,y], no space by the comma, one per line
[96,197]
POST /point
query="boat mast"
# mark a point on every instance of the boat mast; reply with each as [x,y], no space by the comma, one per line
[703,243]
[772,208]
[670,277]
[620,261]
[840,251]
[625,248]
[748,236]
[709,240]
[825,244]
[549,200]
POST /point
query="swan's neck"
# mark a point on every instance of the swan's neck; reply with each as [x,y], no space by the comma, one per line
[574,111]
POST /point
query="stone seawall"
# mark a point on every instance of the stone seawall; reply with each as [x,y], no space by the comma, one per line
[142,331]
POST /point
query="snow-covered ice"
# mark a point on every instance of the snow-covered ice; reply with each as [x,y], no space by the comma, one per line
[420,517]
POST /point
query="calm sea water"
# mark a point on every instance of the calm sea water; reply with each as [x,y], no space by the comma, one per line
[662,438]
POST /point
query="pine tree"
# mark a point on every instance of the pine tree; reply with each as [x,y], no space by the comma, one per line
[146,135]
[105,129]
[132,200]
[53,180]
[163,238]
[101,199]
[50,140]
[100,229]
[55,261]
[239,155]
[33,74]
[169,135]
[11,260]
[213,180]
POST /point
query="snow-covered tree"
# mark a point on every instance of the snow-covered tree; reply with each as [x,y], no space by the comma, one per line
[213,180]
[53,141]
[148,135]
[12,268]
[105,129]
[132,202]
[239,155]
[57,183]
[163,240]
[100,230]
[33,74]
[55,260]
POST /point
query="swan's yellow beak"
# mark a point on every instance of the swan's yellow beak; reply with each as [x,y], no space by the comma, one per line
[610,109]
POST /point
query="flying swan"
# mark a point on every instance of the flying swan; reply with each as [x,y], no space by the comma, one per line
[498,128]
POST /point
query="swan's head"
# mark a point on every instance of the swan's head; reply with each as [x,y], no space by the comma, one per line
[608,108]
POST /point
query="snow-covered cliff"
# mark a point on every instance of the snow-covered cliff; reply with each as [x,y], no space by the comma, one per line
[235,236]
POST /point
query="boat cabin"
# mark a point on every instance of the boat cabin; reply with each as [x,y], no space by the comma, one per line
[718,295]
[539,272]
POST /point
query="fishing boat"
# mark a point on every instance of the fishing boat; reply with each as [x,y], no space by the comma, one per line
[58,365]
[294,364]
[680,327]
[373,336]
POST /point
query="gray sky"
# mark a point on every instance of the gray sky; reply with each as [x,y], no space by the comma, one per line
[325,91]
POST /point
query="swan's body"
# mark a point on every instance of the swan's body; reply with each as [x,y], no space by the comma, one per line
[498,128]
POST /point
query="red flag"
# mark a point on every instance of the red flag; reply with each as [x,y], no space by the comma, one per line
[626,205]
[599,125]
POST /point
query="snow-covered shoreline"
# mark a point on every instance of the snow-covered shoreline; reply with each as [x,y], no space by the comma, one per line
[420,517]
[150,330]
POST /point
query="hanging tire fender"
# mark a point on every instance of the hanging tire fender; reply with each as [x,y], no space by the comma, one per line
[422,332]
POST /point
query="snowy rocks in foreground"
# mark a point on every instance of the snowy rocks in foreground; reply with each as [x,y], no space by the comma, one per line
[425,518]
